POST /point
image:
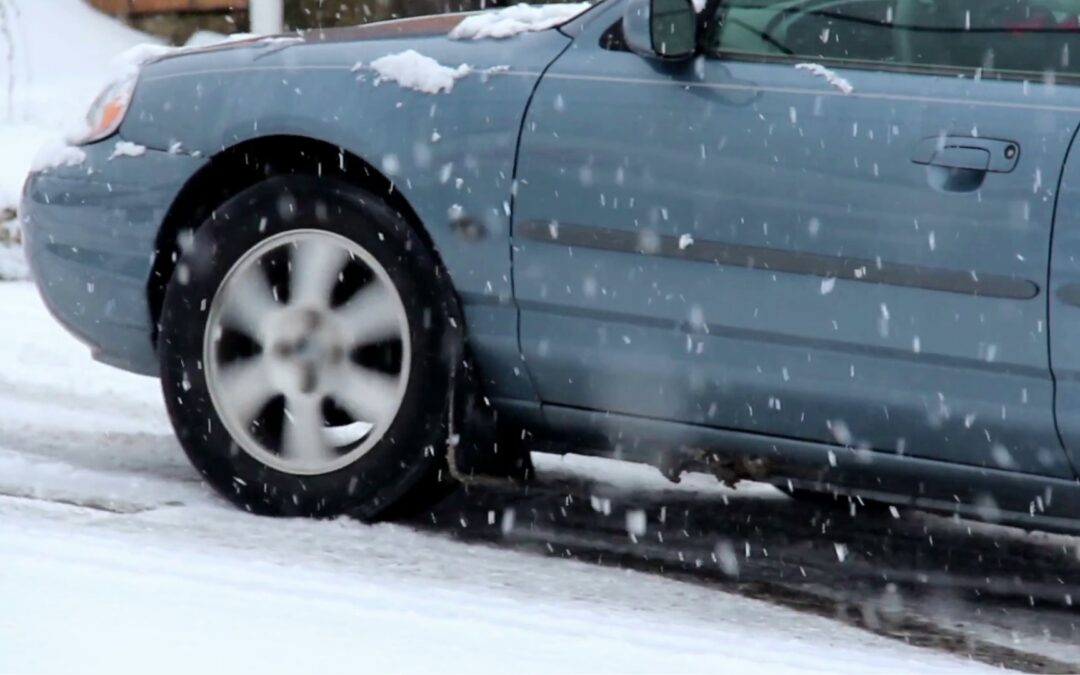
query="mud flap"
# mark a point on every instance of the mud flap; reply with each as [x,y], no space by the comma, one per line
[480,450]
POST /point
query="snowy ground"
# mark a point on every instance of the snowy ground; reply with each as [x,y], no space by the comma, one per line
[114,557]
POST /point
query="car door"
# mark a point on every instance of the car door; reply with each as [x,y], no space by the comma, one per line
[834,225]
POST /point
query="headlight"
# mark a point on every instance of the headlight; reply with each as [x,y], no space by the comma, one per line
[107,111]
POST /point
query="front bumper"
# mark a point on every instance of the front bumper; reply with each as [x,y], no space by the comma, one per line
[90,234]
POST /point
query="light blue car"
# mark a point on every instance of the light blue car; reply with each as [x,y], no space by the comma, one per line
[830,244]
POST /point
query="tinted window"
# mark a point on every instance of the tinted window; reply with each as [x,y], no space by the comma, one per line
[996,36]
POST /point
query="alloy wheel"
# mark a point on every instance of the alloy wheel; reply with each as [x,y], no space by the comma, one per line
[307,352]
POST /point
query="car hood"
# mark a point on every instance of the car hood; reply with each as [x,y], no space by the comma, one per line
[416,27]
[305,84]
[291,47]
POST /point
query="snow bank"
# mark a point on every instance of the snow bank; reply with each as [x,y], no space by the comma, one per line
[21,143]
[832,78]
[12,262]
[511,21]
[55,153]
[62,54]
[413,70]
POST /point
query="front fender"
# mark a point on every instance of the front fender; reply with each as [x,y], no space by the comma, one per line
[446,152]
[450,155]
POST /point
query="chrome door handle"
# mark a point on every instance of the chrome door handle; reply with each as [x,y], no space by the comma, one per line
[968,152]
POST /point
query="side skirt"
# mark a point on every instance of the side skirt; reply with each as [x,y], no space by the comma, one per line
[1021,500]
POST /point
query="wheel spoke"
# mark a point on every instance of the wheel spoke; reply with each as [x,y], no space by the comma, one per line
[317,265]
[348,434]
[304,437]
[367,395]
[249,302]
[247,389]
[372,315]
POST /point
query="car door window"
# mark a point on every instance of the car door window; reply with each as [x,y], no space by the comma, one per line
[1002,38]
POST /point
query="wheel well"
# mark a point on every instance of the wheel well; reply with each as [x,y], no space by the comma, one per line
[243,165]
[237,168]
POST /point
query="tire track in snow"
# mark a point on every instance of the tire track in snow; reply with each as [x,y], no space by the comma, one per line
[793,560]
[914,578]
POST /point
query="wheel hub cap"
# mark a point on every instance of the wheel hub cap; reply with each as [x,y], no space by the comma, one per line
[307,346]
[307,352]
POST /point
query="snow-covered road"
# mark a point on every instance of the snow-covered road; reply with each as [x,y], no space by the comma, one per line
[114,557]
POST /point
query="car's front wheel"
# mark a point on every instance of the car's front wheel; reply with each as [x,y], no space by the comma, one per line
[305,353]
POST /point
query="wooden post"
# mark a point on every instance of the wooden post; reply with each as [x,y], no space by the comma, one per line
[267,16]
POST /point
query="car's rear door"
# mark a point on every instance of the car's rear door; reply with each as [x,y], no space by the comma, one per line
[834,226]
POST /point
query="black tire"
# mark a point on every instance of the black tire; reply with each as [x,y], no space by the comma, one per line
[406,470]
